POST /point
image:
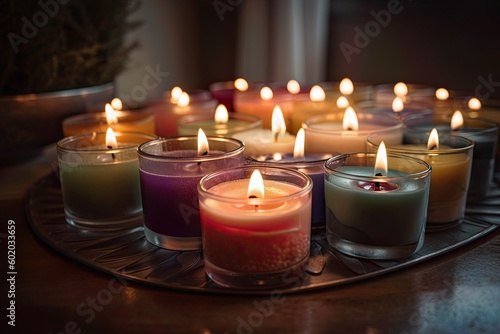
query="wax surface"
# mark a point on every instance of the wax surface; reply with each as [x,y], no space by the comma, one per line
[377,218]
[262,141]
[213,129]
[333,138]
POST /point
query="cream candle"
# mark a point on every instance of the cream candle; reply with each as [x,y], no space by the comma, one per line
[332,132]
[451,158]
[222,123]
[170,169]
[255,226]
[376,211]
[100,179]
[264,141]
[484,134]
[119,120]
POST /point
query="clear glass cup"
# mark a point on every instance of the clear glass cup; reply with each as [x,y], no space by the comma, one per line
[170,169]
[376,217]
[100,186]
[255,242]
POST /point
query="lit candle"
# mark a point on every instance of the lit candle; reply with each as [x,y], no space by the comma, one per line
[224,92]
[99,176]
[484,134]
[407,92]
[177,104]
[256,225]
[451,158]
[477,110]
[354,91]
[348,132]
[222,123]
[265,141]
[316,104]
[261,103]
[170,169]
[376,210]
[310,164]
[113,117]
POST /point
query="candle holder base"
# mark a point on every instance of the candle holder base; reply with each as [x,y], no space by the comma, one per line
[108,225]
[437,227]
[258,280]
[372,252]
[172,243]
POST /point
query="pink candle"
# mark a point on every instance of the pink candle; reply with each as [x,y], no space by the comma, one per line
[251,236]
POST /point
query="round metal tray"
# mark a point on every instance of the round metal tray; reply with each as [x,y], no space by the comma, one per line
[127,254]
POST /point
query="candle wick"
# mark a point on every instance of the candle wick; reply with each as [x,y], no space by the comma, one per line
[377,184]
[203,154]
[276,137]
[112,154]
[434,147]
[256,206]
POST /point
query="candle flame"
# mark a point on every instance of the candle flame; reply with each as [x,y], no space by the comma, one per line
[442,94]
[241,84]
[266,93]
[277,156]
[175,94]
[457,120]
[111,139]
[117,104]
[346,87]
[474,104]
[342,102]
[221,114]
[278,125]
[183,100]
[110,114]
[397,104]
[317,94]
[298,150]
[400,89]
[433,142]
[293,87]
[350,121]
[202,143]
[256,185]
[381,160]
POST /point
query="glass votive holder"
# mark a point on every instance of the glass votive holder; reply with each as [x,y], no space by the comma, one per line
[376,217]
[482,132]
[451,166]
[311,164]
[127,121]
[385,107]
[100,186]
[237,122]
[168,113]
[324,133]
[170,169]
[255,242]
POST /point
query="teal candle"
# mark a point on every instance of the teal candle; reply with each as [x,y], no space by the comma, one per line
[371,216]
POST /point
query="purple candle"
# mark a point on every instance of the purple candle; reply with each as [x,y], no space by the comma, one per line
[170,170]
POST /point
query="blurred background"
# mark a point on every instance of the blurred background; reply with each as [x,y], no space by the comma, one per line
[452,44]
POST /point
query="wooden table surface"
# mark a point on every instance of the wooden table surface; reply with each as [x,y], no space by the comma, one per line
[458,292]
